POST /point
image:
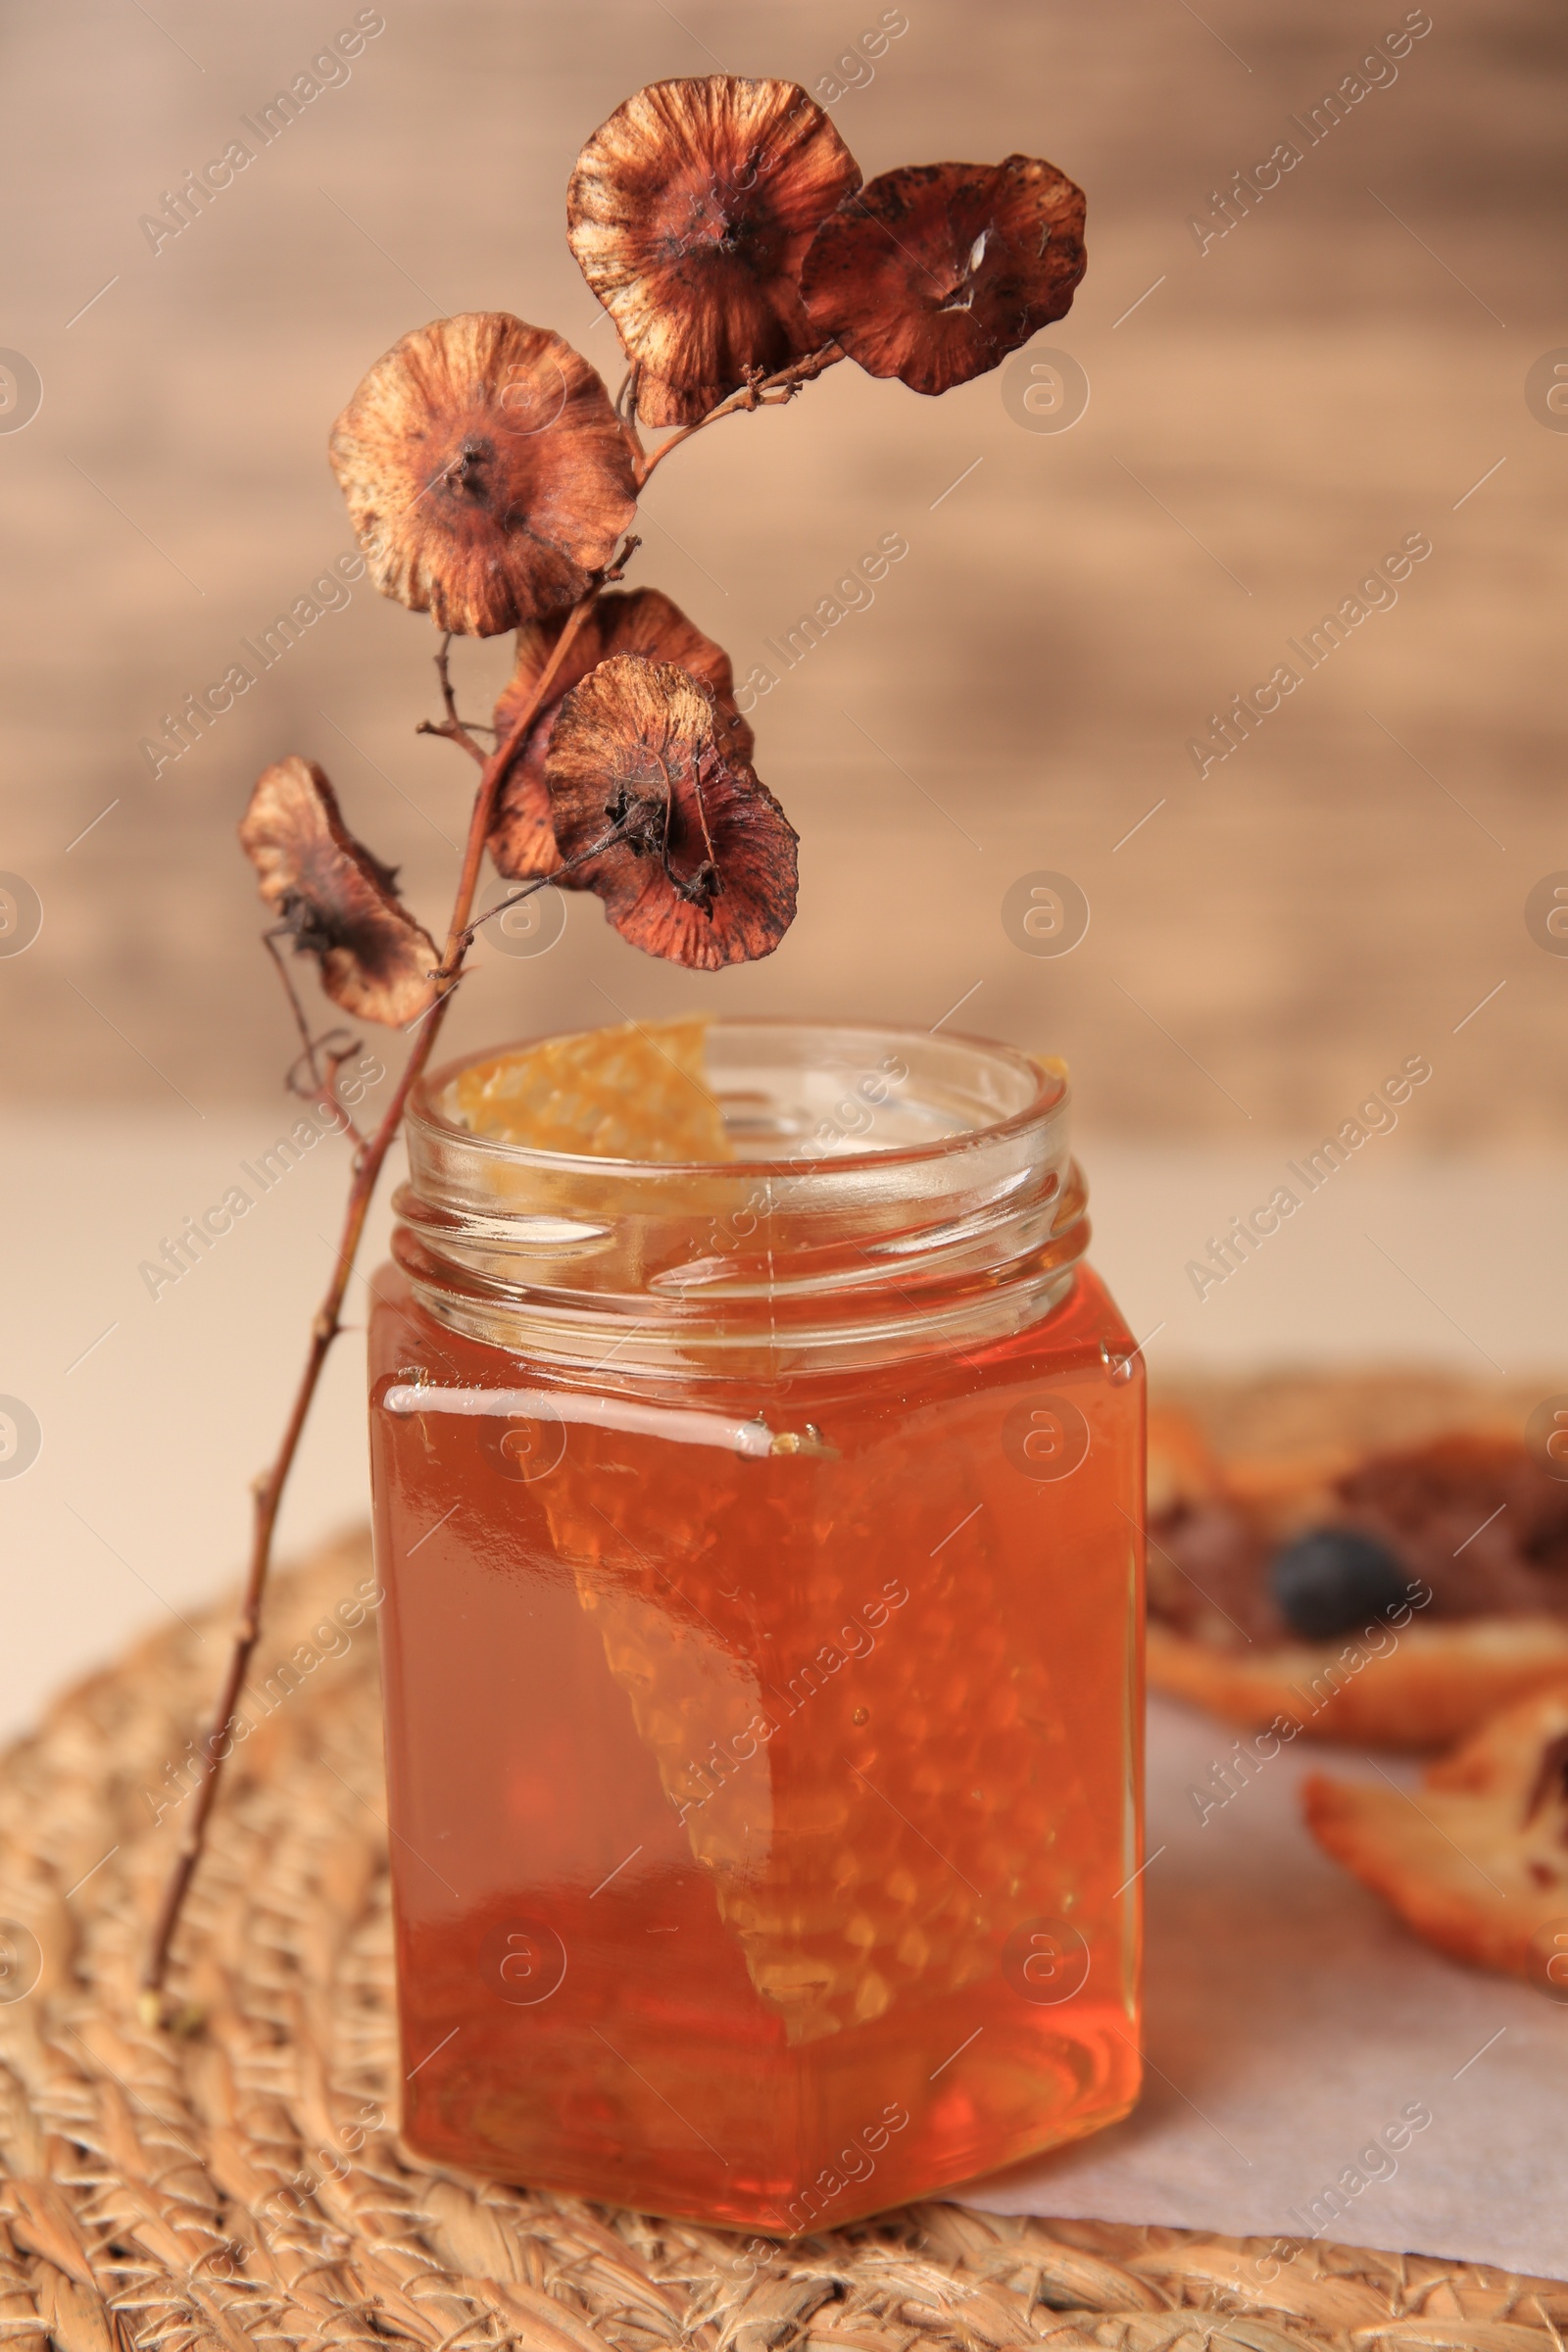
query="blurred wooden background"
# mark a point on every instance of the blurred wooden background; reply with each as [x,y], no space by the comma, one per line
[1267,418]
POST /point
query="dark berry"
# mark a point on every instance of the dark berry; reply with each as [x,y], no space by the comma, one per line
[1334,1578]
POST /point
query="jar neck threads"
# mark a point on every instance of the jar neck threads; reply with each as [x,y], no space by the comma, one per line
[899,1195]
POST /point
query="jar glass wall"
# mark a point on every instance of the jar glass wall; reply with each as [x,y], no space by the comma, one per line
[761,1639]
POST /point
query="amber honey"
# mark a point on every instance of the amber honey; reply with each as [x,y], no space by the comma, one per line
[762,1554]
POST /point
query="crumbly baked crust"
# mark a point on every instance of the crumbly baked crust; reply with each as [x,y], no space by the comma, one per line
[1270,1450]
[1477,1863]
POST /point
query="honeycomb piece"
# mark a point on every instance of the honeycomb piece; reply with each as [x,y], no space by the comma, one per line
[819,1837]
[638,1093]
[838,1904]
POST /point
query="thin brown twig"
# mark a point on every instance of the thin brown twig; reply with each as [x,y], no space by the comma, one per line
[626,398]
[531,889]
[328,1320]
[331,1096]
[757,392]
[443,670]
[453,727]
[453,732]
[322,1091]
[324,1094]
[270,940]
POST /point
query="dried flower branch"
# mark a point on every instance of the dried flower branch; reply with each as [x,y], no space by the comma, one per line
[492,483]
[325,1324]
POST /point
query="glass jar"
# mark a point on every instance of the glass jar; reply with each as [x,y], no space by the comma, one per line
[763,1641]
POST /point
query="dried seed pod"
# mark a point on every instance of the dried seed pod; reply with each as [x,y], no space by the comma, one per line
[646,622]
[703,871]
[690,212]
[337,900]
[935,273]
[486,474]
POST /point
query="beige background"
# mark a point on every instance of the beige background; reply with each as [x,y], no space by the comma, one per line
[1277,937]
[1291,402]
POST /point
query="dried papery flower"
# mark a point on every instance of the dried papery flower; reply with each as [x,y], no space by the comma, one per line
[690,212]
[702,872]
[935,273]
[338,902]
[486,472]
[645,622]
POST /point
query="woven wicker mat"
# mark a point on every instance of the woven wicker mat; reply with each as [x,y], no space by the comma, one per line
[239,2181]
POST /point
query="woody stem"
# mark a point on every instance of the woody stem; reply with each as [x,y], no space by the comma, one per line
[270,940]
[328,1320]
[767,392]
[452,726]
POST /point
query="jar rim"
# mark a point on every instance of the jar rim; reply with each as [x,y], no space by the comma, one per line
[1050,1096]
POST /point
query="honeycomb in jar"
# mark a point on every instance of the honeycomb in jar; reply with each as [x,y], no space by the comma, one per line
[904,1804]
[637,1092]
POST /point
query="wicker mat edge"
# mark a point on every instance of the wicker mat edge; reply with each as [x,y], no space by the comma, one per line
[243,2183]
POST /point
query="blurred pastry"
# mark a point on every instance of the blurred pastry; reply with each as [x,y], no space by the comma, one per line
[1477,1861]
[1394,1596]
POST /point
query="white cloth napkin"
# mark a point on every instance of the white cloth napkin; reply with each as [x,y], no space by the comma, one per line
[1290,2022]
